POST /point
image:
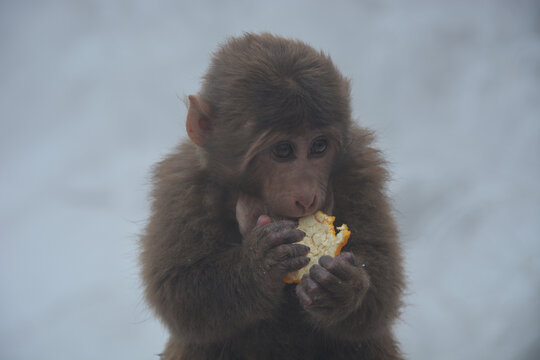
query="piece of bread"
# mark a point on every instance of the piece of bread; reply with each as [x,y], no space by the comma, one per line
[321,239]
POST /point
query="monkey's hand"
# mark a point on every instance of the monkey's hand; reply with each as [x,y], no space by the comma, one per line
[270,250]
[334,288]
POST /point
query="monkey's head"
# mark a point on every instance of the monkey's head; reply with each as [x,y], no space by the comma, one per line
[272,119]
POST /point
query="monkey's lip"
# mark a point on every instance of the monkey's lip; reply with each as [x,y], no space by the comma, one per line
[291,218]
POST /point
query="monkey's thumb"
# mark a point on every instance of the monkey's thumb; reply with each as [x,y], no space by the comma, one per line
[263,220]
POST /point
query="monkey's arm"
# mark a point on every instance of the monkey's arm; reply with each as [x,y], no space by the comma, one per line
[201,277]
[207,289]
[192,265]
[206,299]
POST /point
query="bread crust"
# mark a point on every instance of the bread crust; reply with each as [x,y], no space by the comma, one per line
[321,239]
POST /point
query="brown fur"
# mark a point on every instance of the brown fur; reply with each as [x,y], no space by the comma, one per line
[204,278]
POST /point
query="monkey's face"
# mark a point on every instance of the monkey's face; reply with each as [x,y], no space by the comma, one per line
[294,174]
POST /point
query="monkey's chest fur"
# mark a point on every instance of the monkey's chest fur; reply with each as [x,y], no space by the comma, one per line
[286,334]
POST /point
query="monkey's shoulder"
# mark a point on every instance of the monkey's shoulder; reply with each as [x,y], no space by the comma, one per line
[186,193]
[182,167]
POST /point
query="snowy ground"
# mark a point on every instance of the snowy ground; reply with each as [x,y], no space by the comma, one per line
[89,100]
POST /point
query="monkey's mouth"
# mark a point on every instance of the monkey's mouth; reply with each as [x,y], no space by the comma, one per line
[282,217]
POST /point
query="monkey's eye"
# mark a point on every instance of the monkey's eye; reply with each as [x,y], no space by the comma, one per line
[319,146]
[282,150]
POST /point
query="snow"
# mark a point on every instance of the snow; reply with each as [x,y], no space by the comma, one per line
[91,96]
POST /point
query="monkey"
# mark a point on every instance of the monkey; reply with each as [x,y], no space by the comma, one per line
[271,139]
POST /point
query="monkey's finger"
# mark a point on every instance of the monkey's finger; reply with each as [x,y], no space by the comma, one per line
[304,298]
[294,264]
[325,278]
[270,235]
[288,251]
[284,236]
[347,256]
[312,289]
[340,268]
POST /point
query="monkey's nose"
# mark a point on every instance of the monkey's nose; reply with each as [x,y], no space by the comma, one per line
[306,204]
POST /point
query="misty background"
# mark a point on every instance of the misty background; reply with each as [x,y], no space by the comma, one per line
[91,96]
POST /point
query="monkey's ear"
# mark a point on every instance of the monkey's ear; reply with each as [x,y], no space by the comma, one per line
[198,124]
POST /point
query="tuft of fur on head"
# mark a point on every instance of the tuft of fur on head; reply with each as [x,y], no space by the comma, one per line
[261,82]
